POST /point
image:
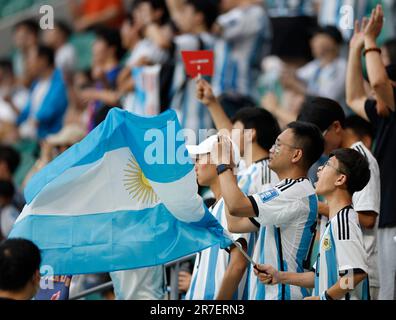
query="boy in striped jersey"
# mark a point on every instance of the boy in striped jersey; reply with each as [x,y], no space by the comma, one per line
[340,271]
[330,118]
[287,211]
[217,274]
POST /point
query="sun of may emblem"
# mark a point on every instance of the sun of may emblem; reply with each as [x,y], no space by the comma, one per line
[136,184]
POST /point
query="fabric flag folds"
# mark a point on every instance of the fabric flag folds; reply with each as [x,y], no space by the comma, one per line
[122,198]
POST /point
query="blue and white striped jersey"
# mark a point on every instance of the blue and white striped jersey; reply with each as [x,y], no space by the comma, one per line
[286,214]
[290,8]
[210,265]
[245,29]
[191,113]
[341,251]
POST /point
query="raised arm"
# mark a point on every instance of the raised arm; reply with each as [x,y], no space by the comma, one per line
[378,77]
[205,96]
[355,93]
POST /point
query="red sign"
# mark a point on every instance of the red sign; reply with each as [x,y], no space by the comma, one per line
[198,63]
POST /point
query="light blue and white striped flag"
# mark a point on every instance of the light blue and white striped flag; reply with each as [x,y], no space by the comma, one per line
[101,206]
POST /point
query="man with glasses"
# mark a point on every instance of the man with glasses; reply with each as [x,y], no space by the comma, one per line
[330,118]
[287,211]
[340,271]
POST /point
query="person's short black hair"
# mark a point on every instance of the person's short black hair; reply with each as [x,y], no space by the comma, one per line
[390,46]
[321,112]
[156,5]
[266,126]
[330,31]
[355,166]
[47,53]
[29,24]
[7,189]
[6,66]
[209,9]
[64,28]
[10,156]
[359,126]
[19,260]
[308,137]
[112,38]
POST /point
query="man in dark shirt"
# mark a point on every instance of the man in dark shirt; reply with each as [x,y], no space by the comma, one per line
[380,111]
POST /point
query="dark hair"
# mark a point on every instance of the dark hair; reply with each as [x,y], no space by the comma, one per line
[19,260]
[11,157]
[7,189]
[390,46]
[209,9]
[112,38]
[308,137]
[156,5]
[355,166]
[330,31]
[6,65]
[64,28]
[47,53]
[360,126]
[29,24]
[266,126]
[321,112]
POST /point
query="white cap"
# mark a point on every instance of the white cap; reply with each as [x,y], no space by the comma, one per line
[207,145]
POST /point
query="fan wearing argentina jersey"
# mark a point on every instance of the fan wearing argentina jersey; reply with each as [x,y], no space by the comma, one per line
[217,274]
[340,271]
[194,19]
[287,211]
[351,133]
[244,35]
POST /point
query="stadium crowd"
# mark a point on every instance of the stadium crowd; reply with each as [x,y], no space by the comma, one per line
[311,200]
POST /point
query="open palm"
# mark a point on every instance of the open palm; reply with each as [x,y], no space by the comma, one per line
[357,41]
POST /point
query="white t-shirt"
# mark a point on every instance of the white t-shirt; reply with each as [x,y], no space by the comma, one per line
[139,284]
[65,58]
[211,264]
[288,212]
[341,250]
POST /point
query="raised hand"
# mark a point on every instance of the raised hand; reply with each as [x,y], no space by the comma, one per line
[204,93]
[375,24]
[357,40]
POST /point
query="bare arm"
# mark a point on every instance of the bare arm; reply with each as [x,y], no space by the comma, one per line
[379,80]
[355,93]
[175,10]
[367,219]
[233,274]
[269,275]
[338,292]
[205,96]
[239,224]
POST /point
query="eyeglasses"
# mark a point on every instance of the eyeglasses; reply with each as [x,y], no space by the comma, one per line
[276,146]
[328,164]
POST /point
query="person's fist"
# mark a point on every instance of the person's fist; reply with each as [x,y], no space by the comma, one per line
[267,274]
[205,93]
[184,281]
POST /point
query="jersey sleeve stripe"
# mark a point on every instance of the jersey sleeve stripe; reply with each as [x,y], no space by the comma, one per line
[254,205]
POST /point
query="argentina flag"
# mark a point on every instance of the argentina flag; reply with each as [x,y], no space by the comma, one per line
[125,197]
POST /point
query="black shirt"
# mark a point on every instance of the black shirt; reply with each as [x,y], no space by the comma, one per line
[385,152]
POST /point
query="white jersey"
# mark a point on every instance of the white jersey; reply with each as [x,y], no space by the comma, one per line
[139,284]
[341,250]
[368,199]
[210,265]
[191,113]
[325,81]
[244,29]
[256,177]
[288,212]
